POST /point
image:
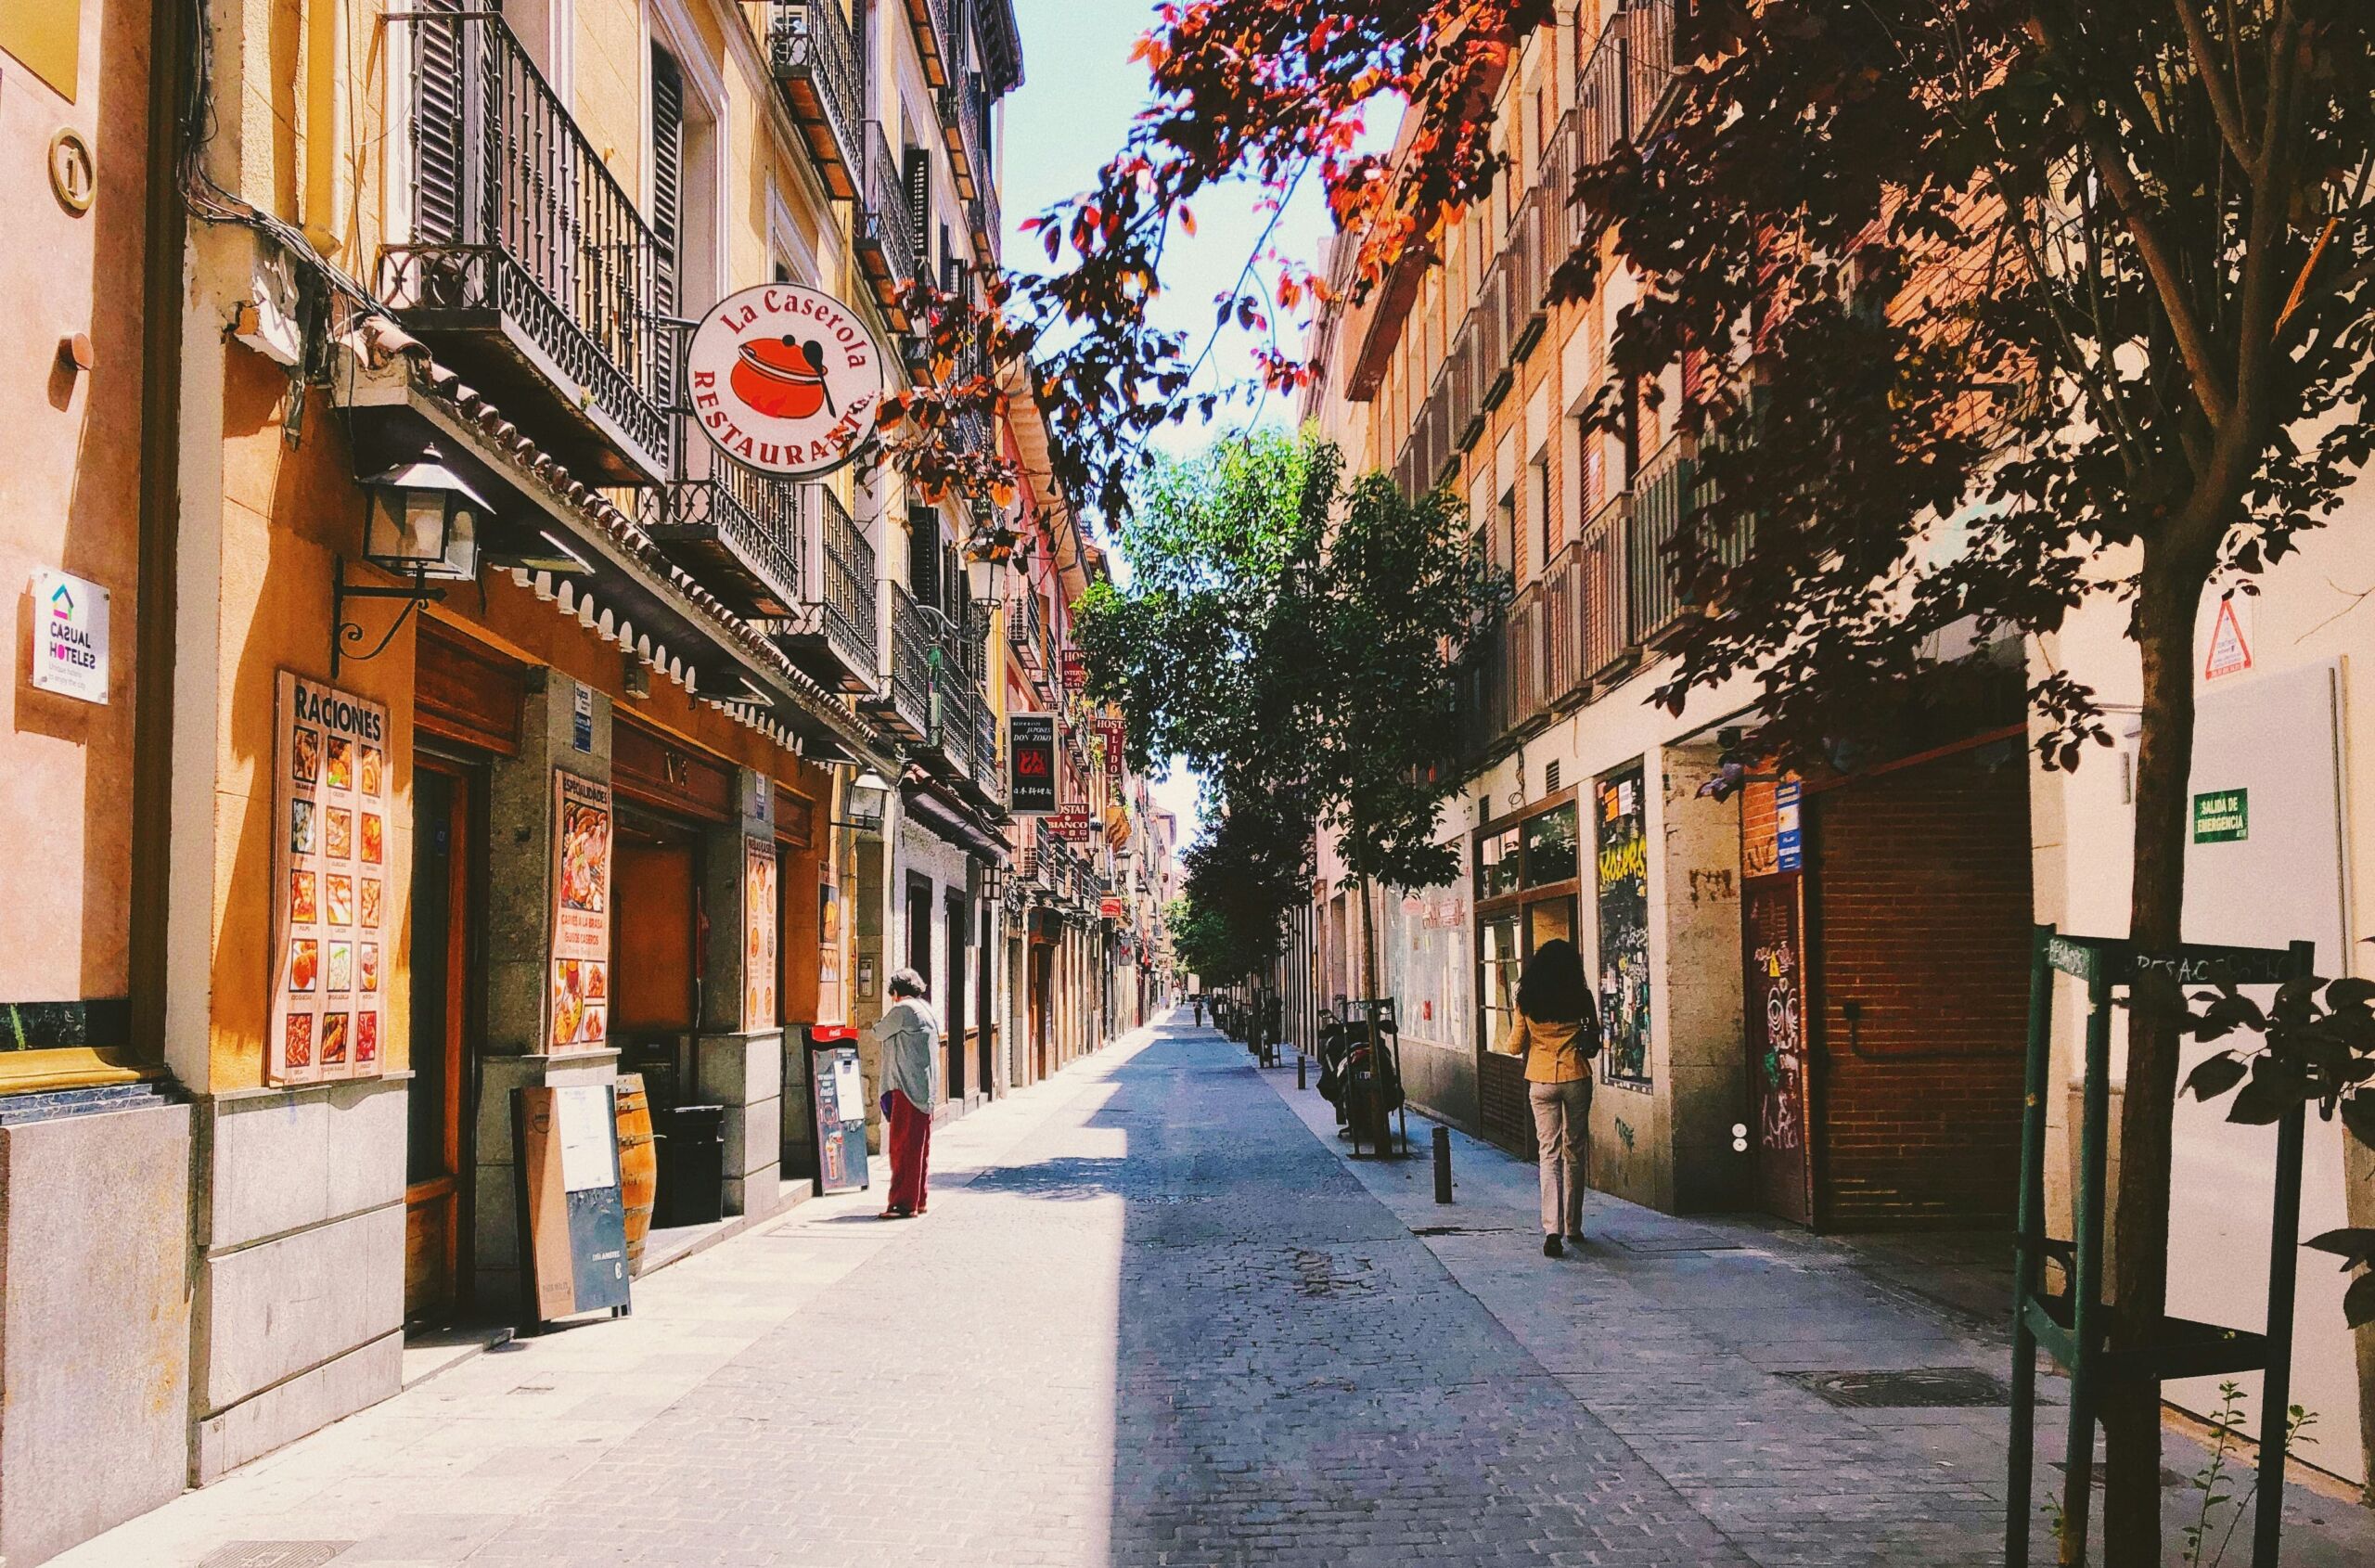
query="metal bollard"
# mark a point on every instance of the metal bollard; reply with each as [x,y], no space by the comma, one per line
[1299,1059]
[1442,1165]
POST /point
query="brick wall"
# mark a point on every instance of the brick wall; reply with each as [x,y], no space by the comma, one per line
[1920,913]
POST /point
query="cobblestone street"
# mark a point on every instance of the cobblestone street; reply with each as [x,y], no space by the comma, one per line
[1155,1317]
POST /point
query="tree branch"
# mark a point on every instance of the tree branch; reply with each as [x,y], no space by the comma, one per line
[2214,82]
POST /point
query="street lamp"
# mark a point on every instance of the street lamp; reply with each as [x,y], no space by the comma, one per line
[866,799]
[423,523]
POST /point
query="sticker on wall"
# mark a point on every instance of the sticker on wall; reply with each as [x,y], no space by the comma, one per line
[1623,881]
[329,843]
[580,929]
[2230,650]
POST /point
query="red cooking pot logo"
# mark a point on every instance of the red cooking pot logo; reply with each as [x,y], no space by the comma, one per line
[785,379]
[782,378]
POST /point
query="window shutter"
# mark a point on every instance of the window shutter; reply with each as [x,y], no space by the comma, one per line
[437,125]
[667,172]
[924,555]
[920,205]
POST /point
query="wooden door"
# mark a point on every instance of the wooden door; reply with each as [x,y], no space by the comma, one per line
[1775,996]
[445,819]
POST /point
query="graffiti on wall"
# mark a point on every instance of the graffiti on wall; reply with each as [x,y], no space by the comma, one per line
[1620,834]
[1776,1010]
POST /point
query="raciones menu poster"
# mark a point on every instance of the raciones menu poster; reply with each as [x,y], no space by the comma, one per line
[331,906]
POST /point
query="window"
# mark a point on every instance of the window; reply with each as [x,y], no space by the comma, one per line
[1551,846]
[924,555]
[1545,510]
[1496,864]
[1505,533]
[667,196]
[1497,957]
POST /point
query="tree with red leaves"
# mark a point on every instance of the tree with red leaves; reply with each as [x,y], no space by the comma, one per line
[1993,309]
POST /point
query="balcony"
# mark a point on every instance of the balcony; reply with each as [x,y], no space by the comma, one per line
[960,129]
[889,248]
[1622,89]
[1026,633]
[935,42]
[1668,494]
[815,57]
[735,530]
[833,634]
[957,661]
[1610,648]
[523,260]
[989,757]
[907,706]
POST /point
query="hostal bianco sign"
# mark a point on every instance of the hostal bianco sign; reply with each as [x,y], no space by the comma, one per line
[785,379]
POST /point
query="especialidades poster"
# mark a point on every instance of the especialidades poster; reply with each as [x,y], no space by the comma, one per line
[329,863]
[581,963]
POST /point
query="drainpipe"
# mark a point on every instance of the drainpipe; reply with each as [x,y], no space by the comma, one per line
[167,228]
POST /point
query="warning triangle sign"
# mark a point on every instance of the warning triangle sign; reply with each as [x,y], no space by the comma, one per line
[2229,654]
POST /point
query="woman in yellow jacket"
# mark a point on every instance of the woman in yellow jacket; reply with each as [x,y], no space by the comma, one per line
[1558,1033]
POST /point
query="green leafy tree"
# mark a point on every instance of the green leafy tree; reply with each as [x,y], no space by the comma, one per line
[1295,640]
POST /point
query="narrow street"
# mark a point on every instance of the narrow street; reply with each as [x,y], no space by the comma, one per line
[1154,1318]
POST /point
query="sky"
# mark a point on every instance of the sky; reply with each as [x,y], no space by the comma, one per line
[1080,90]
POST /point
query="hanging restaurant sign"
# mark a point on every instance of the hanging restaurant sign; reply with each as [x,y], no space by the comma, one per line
[785,379]
[1031,764]
[330,854]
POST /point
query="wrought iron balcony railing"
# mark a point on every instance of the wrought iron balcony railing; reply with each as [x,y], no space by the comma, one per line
[960,128]
[815,57]
[935,41]
[1610,646]
[1662,501]
[1026,633]
[521,250]
[832,634]
[738,531]
[989,758]
[889,245]
[912,636]
[1624,83]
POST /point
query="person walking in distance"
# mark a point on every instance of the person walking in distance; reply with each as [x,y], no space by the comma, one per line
[1556,1032]
[1199,999]
[909,1037]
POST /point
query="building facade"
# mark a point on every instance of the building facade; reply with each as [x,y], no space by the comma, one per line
[1814,988]
[419,705]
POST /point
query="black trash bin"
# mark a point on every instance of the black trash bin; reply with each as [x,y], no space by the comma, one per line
[692,1141]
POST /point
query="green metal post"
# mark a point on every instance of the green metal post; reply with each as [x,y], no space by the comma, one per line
[2078,1460]
[2283,1269]
[2028,1246]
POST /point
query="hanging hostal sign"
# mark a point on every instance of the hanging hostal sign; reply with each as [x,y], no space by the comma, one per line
[785,379]
[329,857]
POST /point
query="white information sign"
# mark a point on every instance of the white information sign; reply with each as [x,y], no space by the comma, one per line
[590,1146]
[70,636]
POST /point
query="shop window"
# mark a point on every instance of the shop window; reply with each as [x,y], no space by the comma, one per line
[1551,846]
[1496,864]
[1499,963]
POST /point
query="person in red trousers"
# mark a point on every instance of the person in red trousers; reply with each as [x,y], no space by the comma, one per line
[909,1036]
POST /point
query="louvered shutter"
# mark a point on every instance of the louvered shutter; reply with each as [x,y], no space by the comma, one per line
[440,100]
[924,555]
[667,203]
[919,207]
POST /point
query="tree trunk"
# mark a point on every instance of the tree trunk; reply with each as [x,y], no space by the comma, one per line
[2140,1267]
[1369,941]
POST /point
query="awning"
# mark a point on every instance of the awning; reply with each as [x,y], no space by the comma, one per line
[941,817]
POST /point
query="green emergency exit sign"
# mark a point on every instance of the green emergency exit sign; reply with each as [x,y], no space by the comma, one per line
[2222,816]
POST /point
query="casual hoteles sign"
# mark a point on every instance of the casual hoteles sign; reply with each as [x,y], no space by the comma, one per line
[330,884]
[785,379]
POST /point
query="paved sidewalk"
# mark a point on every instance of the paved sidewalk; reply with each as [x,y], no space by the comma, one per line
[1153,1319]
[1704,1341]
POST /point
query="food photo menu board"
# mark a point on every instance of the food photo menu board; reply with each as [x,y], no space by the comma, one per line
[581,970]
[330,859]
[759,935]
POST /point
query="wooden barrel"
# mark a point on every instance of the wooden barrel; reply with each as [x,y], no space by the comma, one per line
[638,1165]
